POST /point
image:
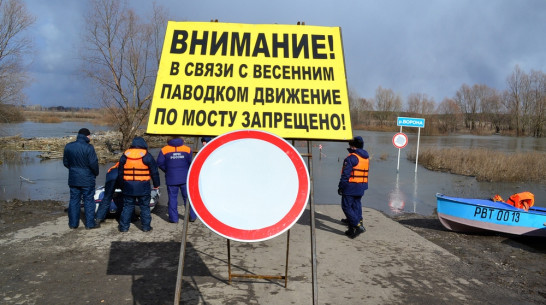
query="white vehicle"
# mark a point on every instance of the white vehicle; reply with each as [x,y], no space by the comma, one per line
[117,201]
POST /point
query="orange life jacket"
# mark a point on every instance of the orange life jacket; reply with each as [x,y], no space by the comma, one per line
[359,174]
[169,149]
[113,166]
[523,200]
[135,169]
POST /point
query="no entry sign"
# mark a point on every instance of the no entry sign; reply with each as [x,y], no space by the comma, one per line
[400,140]
[248,185]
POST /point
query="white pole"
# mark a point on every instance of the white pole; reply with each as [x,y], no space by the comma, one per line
[398,165]
[417,155]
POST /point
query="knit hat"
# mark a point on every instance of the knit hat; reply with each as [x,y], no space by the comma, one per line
[84,131]
[357,142]
[205,139]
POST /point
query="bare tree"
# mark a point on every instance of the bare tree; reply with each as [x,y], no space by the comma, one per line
[387,104]
[449,115]
[467,102]
[360,109]
[121,55]
[14,20]
[420,104]
[492,108]
[516,91]
[354,107]
[537,99]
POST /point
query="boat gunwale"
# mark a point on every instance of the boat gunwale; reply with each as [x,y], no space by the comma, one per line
[494,204]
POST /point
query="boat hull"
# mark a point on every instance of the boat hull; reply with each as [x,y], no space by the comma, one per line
[480,215]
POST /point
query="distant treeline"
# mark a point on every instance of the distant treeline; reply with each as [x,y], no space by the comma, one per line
[56,114]
[56,108]
[518,110]
[435,124]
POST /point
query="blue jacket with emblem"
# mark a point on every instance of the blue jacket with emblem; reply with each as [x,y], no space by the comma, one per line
[175,159]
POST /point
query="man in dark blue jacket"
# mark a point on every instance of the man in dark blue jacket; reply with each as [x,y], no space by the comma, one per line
[352,184]
[175,159]
[83,167]
[136,168]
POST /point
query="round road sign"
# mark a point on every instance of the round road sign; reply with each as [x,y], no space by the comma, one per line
[400,140]
[248,185]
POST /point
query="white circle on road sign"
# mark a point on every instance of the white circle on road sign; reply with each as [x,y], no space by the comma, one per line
[248,185]
[400,140]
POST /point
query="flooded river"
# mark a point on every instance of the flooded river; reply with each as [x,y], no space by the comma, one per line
[389,191]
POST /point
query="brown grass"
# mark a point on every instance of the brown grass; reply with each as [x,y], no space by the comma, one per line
[49,119]
[484,164]
[86,115]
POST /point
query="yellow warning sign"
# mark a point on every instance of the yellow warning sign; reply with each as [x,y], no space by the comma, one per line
[218,77]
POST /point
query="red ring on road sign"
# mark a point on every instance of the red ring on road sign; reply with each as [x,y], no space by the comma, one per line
[400,134]
[257,234]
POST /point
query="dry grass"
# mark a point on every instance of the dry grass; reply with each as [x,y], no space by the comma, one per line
[9,156]
[485,165]
[49,119]
[86,115]
[52,148]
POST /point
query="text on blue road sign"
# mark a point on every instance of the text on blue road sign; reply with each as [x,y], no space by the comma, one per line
[410,122]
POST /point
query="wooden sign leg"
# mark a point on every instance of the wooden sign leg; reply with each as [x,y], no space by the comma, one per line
[312,212]
[180,273]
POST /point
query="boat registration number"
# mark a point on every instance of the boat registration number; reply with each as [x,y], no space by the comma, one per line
[500,215]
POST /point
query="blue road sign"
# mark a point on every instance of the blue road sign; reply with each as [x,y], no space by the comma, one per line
[410,122]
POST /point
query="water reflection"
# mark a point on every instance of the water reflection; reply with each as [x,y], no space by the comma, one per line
[410,191]
[396,198]
[389,191]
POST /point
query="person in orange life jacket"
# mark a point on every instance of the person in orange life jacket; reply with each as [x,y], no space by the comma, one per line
[175,159]
[110,186]
[83,168]
[352,185]
[136,168]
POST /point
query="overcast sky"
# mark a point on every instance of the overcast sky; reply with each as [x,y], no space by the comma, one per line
[431,47]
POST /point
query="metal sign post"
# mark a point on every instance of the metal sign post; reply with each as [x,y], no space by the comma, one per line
[399,140]
[411,122]
[226,159]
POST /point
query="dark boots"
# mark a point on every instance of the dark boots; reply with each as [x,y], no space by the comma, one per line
[354,231]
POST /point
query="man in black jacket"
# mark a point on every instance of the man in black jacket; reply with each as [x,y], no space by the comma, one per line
[83,168]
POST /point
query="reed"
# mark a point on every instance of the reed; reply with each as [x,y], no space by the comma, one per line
[484,164]
[9,156]
[46,116]
[49,119]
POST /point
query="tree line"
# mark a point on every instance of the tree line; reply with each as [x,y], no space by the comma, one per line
[120,54]
[518,110]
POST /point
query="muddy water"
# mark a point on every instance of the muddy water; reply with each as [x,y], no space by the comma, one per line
[390,191]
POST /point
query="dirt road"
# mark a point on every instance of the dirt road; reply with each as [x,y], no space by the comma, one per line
[408,260]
